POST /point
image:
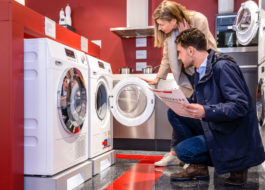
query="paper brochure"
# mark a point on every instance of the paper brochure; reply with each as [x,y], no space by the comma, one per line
[173,98]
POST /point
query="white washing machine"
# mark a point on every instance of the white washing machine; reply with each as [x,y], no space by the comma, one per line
[100,119]
[130,102]
[55,114]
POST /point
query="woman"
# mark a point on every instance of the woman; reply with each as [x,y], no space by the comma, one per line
[171,18]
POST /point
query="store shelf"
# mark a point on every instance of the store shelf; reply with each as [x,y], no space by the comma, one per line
[125,32]
[238,49]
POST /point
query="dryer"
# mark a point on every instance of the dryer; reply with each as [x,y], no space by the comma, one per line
[55,115]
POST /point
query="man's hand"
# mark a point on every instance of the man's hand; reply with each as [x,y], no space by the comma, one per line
[195,110]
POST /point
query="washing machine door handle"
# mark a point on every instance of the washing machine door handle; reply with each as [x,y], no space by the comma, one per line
[110,101]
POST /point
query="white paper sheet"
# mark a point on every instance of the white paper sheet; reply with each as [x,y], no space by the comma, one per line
[173,98]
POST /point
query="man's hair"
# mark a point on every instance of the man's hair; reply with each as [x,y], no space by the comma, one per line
[192,37]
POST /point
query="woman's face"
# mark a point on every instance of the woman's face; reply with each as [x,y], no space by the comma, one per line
[166,26]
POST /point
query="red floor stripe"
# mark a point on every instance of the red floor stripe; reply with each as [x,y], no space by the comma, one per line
[142,175]
[138,157]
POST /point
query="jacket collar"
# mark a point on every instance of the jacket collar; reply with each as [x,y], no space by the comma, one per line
[209,65]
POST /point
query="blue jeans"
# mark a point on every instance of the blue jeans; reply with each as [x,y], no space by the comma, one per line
[191,147]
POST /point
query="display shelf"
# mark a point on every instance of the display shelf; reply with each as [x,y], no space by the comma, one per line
[127,32]
[238,49]
[34,26]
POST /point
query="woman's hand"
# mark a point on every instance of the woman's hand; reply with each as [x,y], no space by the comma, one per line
[183,26]
[151,82]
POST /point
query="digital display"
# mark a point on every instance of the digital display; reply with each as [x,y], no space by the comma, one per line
[70,53]
[101,65]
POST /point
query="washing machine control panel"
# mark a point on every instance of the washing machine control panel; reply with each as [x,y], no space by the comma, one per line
[63,52]
[97,65]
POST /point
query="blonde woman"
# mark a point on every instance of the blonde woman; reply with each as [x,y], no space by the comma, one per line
[171,18]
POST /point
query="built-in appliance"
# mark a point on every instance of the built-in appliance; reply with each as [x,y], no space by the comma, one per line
[55,116]
[145,128]
[155,132]
[136,102]
[225,34]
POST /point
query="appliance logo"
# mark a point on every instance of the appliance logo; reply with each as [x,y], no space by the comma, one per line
[105,143]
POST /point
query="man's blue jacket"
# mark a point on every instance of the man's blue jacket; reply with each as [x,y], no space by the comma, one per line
[230,124]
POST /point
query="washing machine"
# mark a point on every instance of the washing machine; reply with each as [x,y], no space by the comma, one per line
[154,126]
[55,101]
[130,102]
[100,119]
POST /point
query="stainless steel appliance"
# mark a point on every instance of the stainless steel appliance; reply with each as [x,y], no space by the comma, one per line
[156,127]
[225,33]
[246,58]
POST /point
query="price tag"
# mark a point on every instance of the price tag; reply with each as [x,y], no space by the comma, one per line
[84,44]
[50,28]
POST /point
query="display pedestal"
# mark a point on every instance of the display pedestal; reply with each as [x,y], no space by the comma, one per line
[103,161]
[68,179]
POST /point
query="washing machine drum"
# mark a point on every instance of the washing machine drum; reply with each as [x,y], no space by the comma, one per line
[246,23]
[72,100]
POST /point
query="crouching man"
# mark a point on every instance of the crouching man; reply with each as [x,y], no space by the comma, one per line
[223,131]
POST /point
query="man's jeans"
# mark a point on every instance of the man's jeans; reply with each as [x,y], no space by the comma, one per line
[191,147]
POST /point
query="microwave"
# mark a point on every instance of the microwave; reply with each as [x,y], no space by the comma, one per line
[225,36]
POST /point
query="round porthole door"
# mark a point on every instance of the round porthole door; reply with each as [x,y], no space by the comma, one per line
[246,23]
[131,102]
[101,102]
[72,100]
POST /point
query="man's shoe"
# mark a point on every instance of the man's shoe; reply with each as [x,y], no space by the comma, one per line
[237,178]
[193,172]
[168,160]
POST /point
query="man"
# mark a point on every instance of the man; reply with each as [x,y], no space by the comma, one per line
[223,131]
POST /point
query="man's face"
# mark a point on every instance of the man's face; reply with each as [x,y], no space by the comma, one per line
[166,26]
[185,56]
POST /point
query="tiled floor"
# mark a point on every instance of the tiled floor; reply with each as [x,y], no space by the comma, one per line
[117,175]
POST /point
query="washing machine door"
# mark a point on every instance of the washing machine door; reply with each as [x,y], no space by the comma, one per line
[246,23]
[72,100]
[131,102]
[102,99]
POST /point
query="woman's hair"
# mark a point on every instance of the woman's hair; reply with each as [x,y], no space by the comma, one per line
[168,10]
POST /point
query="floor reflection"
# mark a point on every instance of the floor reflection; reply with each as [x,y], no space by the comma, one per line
[141,174]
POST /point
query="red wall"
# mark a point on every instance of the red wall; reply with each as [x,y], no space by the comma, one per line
[94,18]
